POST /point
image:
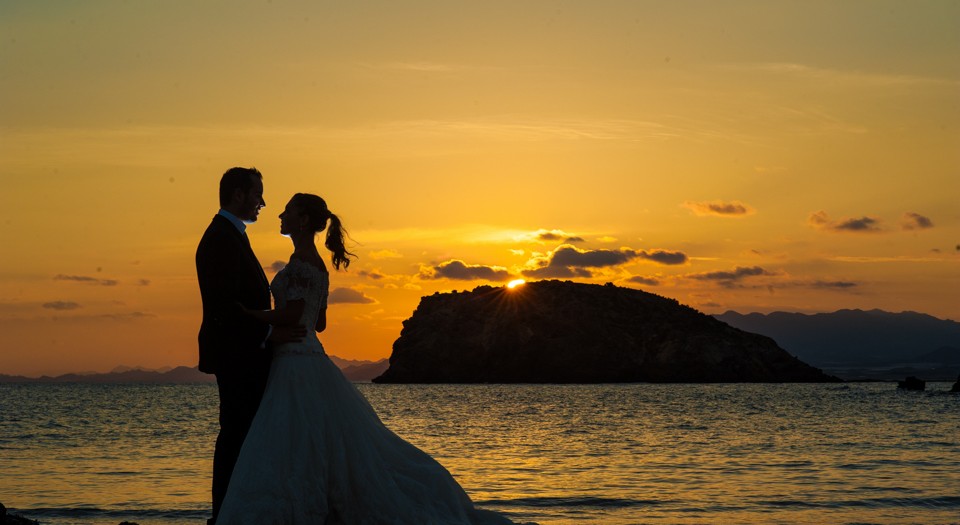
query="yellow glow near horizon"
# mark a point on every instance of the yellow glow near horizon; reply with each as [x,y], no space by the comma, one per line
[515,283]
[807,167]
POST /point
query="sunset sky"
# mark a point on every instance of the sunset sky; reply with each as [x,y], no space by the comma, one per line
[754,156]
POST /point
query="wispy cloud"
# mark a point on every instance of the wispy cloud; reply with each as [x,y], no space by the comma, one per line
[833,285]
[348,296]
[384,254]
[546,236]
[847,78]
[85,279]
[418,66]
[862,224]
[915,221]
[817,284]
[526,129]
[465,234]
[639,279]
[865,224]
[376,275]
[468,233]
[127,316]
[719,208]
[759,278]
[61,305]
[874,259]
[731,277]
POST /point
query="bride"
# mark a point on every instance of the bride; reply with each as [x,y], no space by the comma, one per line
[316,452]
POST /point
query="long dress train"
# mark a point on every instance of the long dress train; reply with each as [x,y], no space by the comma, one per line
[317,453]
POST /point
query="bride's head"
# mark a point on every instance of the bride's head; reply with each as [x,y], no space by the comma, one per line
[311,214]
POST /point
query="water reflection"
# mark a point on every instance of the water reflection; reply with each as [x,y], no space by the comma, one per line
[548,453]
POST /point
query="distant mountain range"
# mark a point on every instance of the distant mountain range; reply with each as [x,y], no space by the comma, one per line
[360,370]
[354,371]
[866,344]
[851,344]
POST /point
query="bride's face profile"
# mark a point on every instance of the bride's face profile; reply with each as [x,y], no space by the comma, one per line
[291,219]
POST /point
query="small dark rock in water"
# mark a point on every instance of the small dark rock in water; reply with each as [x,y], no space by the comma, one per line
[128,523]
[912,383]
[956,386]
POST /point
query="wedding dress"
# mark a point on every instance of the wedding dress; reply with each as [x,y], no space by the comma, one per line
[317,453]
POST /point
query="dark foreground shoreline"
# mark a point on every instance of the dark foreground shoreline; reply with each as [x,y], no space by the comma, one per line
[8,518]
[14,519]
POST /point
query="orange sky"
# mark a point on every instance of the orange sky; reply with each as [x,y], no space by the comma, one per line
[753,156]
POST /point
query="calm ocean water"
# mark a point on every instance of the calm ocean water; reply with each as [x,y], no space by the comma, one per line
[551,454]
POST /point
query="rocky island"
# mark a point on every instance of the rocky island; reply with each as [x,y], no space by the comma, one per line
[566,332]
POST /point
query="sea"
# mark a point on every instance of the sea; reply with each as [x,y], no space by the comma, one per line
[854,453]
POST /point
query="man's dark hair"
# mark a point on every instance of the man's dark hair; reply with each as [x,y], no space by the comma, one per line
[236,179]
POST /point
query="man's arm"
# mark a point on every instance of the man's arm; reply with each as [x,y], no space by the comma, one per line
[219,260]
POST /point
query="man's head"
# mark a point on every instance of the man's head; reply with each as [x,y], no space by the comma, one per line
[241,193]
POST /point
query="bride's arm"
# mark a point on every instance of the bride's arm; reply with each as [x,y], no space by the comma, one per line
[288,315]
[321,320]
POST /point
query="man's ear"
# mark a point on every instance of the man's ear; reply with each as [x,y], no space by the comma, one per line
[237,197]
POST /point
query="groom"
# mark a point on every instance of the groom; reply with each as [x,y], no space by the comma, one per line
[234,346]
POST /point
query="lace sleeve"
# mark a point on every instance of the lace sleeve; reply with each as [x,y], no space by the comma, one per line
[300,282]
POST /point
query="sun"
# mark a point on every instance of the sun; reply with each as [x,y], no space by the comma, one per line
[515,283]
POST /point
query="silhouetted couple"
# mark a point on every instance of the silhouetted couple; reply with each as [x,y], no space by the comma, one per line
[298,443]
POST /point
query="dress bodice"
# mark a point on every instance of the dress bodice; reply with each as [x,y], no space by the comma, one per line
[302,280]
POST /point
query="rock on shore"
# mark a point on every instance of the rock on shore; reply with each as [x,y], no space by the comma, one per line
[565,332]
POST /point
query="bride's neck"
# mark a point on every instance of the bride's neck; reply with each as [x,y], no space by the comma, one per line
[304,246]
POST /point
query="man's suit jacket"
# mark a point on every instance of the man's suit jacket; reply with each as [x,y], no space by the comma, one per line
[230,274]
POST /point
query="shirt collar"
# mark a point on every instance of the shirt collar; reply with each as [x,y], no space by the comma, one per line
[234,220]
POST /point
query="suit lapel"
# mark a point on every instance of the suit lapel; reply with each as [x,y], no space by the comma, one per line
[253,258]
[263,276]
[248,250]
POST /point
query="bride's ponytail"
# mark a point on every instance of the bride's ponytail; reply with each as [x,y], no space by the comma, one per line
[335,243]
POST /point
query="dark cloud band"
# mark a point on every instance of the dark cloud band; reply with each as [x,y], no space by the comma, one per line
[568,261]
[458,270]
